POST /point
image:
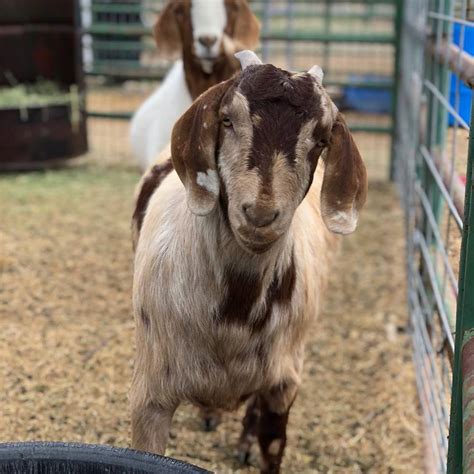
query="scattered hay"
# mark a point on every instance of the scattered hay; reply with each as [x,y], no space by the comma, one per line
[66,334]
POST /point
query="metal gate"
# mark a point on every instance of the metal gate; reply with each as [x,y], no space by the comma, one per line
[433,169]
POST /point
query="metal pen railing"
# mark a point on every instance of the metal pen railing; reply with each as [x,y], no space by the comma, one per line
[432,166]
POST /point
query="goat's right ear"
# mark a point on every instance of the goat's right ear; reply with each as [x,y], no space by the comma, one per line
[194,149]
[166,31]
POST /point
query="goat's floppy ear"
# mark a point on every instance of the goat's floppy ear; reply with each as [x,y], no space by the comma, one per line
[166,31]
[247,27]
[194,148]
[344,189]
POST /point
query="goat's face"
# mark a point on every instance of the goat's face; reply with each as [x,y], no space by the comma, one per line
[252,144]
[206,30]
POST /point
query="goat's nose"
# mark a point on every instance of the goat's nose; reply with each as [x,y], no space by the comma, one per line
[207,41]
[260,216]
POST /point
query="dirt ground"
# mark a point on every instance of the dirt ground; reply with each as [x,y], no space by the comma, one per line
[66,333]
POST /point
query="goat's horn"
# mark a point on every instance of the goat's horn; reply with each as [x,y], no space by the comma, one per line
[247,58]
[317,73]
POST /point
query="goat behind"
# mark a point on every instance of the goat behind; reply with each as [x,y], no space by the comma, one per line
[206,33]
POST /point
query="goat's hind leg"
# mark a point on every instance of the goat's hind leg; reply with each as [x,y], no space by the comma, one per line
[150,427]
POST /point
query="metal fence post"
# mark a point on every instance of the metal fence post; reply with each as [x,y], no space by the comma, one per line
[461,430]
[399,4]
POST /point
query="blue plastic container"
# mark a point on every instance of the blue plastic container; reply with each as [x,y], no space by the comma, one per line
[465,92]
[368,99]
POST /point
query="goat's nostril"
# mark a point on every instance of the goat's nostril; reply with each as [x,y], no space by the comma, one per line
[207,41]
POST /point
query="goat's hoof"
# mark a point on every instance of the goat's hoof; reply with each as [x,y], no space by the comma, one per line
[210,419]
[210,424]
[244,450]
[243,456]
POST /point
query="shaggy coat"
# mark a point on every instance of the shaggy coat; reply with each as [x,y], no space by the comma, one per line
[233,250]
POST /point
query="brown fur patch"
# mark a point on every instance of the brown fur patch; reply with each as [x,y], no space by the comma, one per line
[145,318]
[154,178]
[243,290]
[271,434]
[281,290]
[281,102]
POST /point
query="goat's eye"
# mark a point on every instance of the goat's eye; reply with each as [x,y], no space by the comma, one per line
[322,144]
[227,122]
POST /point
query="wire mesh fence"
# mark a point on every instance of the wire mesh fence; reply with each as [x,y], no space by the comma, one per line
[354,41]
[431,153]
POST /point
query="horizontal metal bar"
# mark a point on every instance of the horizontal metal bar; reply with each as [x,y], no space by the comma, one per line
[434,90]
[259,12]
[435,228]
[328,81]
[120,8]
[127,70]
[379,38]
[451,180]
[450,18]
[360,127]
[420,241]
[110,115]
[459,62]
[321,36]
[428,158]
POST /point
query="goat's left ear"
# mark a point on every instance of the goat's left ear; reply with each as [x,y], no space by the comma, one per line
[247,27]
[344,188]
[194,149]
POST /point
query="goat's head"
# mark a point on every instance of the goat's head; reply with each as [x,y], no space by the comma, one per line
[252,144]
[206,30]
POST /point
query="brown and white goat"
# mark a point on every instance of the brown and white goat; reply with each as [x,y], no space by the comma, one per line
[233,251]
[206,33]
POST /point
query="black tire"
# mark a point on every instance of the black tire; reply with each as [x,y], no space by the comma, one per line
[72,458]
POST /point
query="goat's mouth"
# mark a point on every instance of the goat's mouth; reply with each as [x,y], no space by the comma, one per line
[255,242]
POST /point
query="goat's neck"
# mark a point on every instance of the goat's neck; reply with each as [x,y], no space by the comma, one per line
[198,81]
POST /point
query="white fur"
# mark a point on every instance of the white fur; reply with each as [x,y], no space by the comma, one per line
[152,124]
[209,181]
[209,18]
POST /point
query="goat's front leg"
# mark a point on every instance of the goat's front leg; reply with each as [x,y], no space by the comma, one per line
[150,427]
[249,430]
[274,408]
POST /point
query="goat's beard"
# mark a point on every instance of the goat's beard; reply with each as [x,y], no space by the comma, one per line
[207,65]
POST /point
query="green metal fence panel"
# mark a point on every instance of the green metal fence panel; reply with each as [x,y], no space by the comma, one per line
[355,41]
[461,434]
[431,164]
